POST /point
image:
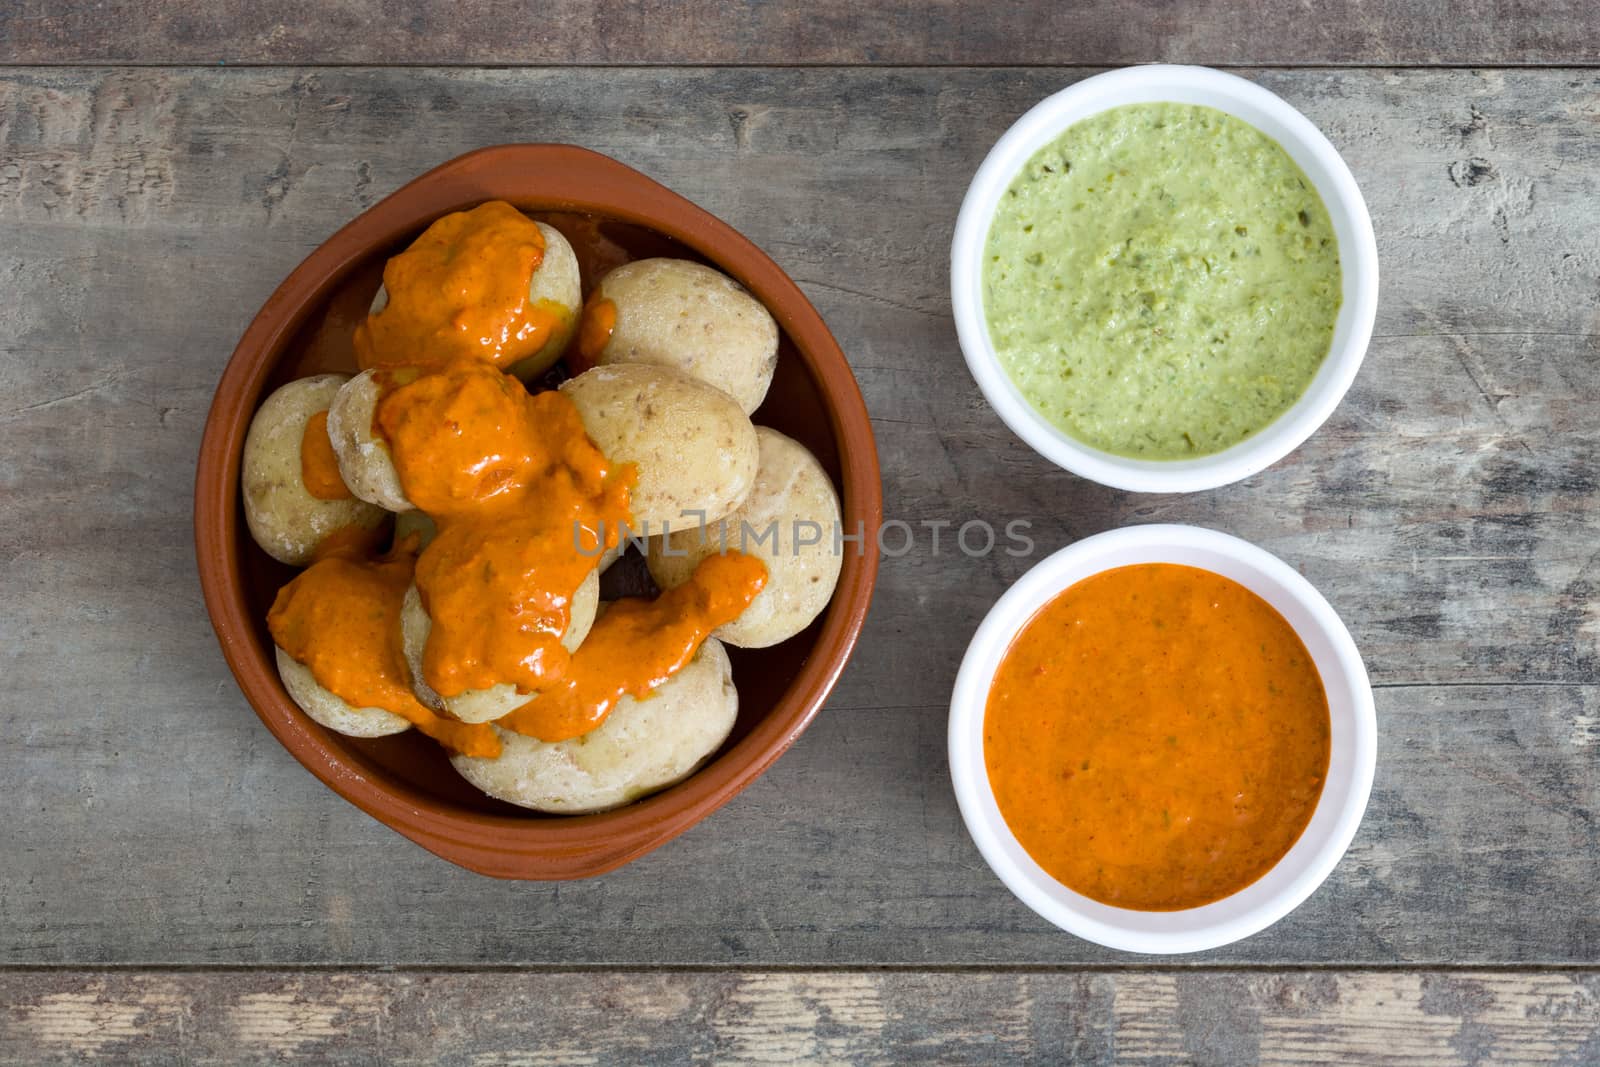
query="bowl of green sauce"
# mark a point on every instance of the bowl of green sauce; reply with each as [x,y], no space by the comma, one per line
[1164,278]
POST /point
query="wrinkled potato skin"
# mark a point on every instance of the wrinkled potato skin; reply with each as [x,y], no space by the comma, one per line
[365,462]
[286,520]
[331,711]
[694,449]
[484,705]
[790,487]
[642,747]
[674,313]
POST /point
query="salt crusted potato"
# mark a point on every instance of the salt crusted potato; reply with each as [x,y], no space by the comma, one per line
[331,711]
[554,284]
[484,705]
[674,313]
[694,448]
[643,746]
[286,520]
[792,501]
[365,461]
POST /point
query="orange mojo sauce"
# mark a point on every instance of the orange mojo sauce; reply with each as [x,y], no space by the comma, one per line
[461,291]
[319,466]
[1157,737]
[524,503]
[517,489]
[341,618]
[599,322]
[638,644]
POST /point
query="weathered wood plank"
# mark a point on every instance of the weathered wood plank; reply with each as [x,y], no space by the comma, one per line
[833,32]
[866,1017]
[1449,511]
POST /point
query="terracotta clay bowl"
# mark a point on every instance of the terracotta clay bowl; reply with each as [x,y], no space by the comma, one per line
[612,213]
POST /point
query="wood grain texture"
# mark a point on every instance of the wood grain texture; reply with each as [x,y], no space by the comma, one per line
[1448,510]
[751,1017]
[831,32]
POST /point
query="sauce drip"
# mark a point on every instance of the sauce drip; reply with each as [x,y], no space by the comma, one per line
[1157,737]
[341,618]
[461,292]
[637,645]
[319,466]
[524,502]
[594,332]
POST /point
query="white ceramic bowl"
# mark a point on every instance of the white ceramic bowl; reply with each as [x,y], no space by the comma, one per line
[1352,753]
[1358,258]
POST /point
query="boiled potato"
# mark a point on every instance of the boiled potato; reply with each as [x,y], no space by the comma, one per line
[694,449]
[286,520]
[674,313]
[364,457]
[792,501]
[330,710]
[643,745]
[555,285]
[484,705]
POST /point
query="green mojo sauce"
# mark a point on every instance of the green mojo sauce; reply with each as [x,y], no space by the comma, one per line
[1161,281]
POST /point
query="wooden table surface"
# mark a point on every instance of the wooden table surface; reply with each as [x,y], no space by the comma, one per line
[173,885]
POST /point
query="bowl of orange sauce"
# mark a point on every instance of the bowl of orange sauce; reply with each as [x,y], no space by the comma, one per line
[1162,739]
[611,215]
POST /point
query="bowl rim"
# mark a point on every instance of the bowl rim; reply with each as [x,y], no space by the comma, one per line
[1346,790]
[1311,151]
[547,177]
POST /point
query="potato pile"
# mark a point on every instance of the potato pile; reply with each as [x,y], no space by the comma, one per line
[681,360]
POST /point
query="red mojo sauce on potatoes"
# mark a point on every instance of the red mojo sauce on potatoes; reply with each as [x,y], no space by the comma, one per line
[341,618]
[460,291]
[599,322]
[523,500]
[319,467]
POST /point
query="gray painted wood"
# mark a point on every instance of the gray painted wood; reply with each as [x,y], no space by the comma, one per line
[563,32]
[1448,510]
[749,1017]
